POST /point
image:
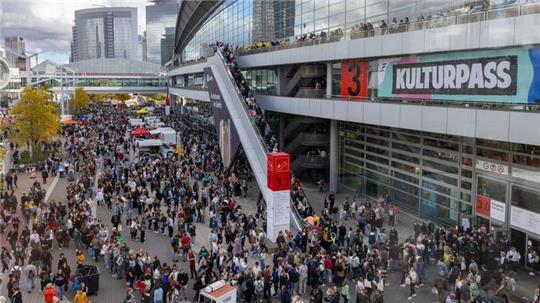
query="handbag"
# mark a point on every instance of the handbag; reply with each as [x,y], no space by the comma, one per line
[119,228]
[434,290]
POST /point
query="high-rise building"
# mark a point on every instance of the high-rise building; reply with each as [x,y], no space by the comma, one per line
[272,20]
[167,45]
[140,47]
[109,32]
[158,17]
[17,46]
[144,48]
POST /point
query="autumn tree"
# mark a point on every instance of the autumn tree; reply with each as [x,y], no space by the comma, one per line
[80,101]
[122,97]
[99,97]
[37,119]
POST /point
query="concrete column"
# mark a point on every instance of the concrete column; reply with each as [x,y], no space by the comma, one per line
[328,79]
[281,131]
[334,156]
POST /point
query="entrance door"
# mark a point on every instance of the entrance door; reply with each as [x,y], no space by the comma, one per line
[535,245]
[519,241]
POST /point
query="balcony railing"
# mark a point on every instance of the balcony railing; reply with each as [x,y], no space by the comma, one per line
[356,31]
[487,105]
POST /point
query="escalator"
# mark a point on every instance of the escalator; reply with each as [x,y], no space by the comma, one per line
[248,130]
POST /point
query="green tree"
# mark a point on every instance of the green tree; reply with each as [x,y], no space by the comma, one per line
[81,100]
[122,97]
[37,119]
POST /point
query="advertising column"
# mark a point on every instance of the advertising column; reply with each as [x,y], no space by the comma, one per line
[278,209]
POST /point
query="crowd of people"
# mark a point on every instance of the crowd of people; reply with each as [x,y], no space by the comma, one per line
[347,251]
[467,260]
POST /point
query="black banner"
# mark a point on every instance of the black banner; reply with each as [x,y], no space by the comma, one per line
[225,129]
[477,76]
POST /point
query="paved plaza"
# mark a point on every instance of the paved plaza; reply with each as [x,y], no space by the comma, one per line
[113,290]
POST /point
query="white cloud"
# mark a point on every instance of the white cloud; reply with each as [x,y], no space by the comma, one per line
[46,24]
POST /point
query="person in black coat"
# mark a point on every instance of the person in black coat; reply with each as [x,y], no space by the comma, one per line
[16,297]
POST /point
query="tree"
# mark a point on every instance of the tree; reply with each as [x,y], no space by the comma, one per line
[99,98]
[37,118]
[122,97]
[81,100]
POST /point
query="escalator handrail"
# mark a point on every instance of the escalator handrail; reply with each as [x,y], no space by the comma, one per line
[297,217]
[244,105]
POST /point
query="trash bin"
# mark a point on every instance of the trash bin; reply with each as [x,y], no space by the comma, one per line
[89,275]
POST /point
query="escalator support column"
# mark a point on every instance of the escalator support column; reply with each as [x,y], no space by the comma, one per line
[334,152]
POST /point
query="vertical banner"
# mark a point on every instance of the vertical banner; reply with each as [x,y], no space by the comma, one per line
[354,78]
[225,129]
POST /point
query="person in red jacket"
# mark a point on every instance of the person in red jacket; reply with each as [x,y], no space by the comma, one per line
[50,293]
[192,264]
[328,268]
[185,241]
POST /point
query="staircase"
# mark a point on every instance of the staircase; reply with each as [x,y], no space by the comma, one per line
[303,72]
[251,139]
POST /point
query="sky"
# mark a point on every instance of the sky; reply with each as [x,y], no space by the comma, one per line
[46,24]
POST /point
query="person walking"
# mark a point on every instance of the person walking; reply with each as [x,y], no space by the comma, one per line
[49,293]
[16,297]
[80,296]
[31,273]
[60,281]
[411,282]
[345,291]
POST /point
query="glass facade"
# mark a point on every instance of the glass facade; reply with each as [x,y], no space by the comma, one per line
[105,33]
[435,176]
[243,22]
[159,16]
[123,36]
[262,81]
[189,81]
[126,82]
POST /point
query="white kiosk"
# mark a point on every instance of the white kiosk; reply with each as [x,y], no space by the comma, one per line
[219,292]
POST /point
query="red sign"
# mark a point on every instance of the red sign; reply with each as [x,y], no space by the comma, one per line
[279,171]
[483,206]
[354,78]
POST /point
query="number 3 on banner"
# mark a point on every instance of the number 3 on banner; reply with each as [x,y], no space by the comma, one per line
[354,78]
[354,68]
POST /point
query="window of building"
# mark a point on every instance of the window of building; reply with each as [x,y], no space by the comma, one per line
[492,154]
[526,198]
[491,188]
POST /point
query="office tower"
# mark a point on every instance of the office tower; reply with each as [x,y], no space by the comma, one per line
[159,16]
[109,32]
[16,57]
[167,45]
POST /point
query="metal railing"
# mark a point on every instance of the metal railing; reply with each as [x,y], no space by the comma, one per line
[243,102]
[298,218]
[486,105]
[313,161]
[355,31]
